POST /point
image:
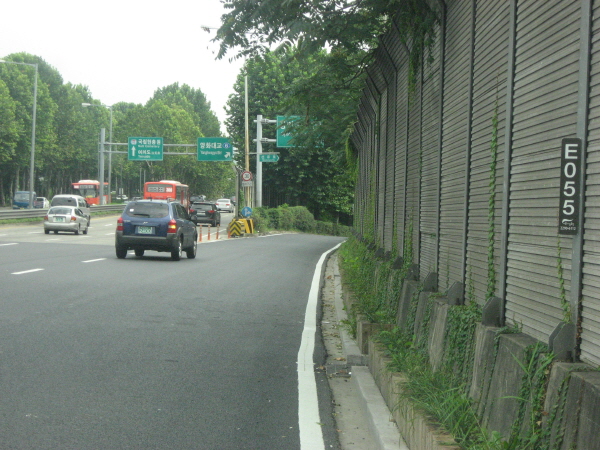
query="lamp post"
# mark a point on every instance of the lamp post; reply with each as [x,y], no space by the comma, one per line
[32,156]
[110,138]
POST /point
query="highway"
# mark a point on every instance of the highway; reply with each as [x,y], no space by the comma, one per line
[148,353]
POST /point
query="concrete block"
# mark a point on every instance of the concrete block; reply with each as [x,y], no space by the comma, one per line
[501,405]
[408,290]
[492,312]
[420,315]
[483,365]
[437,333]
[562,422]
[562,341]
[588,432]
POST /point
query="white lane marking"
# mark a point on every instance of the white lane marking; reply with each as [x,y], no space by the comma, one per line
[93,260]
[53,239]
[35,232]
[26,271]
[309,419]
[109,225]
[11,243]
[109,234]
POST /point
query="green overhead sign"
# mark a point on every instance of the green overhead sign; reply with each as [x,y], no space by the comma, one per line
[145,149]
[214,149]
[284,137]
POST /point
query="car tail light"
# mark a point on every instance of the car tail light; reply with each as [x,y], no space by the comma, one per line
[211,211]
[172,227]
[120,224]
[73,218]
[46,217]
[192,211]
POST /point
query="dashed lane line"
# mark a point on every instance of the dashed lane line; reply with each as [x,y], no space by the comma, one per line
[26,271]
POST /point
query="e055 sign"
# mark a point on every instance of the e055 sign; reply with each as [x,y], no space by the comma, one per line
[570,176]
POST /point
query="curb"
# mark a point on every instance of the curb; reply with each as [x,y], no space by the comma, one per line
[376,413]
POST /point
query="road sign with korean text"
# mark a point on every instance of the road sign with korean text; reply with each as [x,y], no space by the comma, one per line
[145,149]
[214,149]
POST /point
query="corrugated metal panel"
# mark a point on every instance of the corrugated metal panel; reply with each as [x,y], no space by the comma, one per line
[489,88]
[455,142]
[590,314]
[390,166]
[413,179]
[401,143]
[386,220]
[545,105]
[430,161]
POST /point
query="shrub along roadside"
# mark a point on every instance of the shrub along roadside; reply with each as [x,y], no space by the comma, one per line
[294,218]
[442,394]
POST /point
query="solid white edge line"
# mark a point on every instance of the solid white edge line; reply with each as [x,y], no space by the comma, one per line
[309,419]
[94,260]
[11,243]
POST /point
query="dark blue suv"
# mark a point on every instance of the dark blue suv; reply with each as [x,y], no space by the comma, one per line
[156,225]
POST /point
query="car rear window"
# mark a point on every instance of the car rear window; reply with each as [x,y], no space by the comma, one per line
[59,210]
[202,207]
[64,201]
[147,209]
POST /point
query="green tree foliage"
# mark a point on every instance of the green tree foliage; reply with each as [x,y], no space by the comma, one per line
[67,134]
[313,173]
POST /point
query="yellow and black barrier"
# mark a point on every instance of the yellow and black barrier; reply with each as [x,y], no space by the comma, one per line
[239,227]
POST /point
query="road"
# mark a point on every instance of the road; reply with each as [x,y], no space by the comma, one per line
[148,353]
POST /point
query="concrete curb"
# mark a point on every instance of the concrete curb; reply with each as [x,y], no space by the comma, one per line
[376,413]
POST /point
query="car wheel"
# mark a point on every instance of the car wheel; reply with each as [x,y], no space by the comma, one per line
[55,231]
[121,252]
[176,252]
[191,252]
[214,223]
[85,230]
[77,230]
[89,220]
[139,253]
[47,231]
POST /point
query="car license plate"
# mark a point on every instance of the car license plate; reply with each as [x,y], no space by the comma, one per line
[59,219]
[145,230]
[201,213]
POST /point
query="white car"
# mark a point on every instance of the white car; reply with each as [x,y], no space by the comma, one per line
[224,204]
[65,218]
[41,203]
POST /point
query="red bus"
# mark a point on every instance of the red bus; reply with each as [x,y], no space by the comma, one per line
[90,190]
[167,190]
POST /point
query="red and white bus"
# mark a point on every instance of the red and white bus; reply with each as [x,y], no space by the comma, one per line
[167,190]
[90,190]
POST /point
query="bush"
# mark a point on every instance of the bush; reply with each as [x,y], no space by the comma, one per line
[297,218]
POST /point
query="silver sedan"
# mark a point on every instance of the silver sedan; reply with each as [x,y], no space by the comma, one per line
[65,218]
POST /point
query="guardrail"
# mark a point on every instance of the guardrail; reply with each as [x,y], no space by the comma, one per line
[38,212]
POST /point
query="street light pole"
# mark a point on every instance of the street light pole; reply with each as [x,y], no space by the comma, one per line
[110,137]
[32,156]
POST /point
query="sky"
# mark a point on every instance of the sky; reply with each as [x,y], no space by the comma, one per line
[124,50]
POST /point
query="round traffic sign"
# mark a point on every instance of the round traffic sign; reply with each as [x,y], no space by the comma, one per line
[246,176]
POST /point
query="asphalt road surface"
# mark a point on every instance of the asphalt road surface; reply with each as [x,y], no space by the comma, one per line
[148,353]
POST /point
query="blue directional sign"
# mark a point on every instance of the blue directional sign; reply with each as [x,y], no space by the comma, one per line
[246,211]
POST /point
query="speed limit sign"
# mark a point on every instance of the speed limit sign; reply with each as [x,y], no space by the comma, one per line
[246,176]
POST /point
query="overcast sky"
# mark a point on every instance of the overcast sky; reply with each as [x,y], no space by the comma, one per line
[124,50]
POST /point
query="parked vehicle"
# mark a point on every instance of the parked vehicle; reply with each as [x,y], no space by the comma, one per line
[224,204]
[21,199]
[41,203]
[205,212]
[157,225]
[77,201]
[65,218]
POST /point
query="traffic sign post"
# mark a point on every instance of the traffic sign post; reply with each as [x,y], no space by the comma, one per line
[145,149]
[214,149]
